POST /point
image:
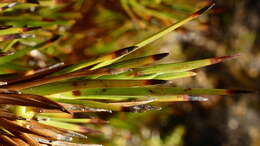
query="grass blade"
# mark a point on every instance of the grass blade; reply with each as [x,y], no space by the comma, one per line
[95,60]
[179,98]
[180,67]
[176,75]
[23,52]
[57,78]
[157,35]
[138,62]
[27,139]
[67,126]
[114,56]
[8,140]
[59,87]
[151,91]
[75,120]
[14,30]
[30,100]
[9,115]
[12,126]
[9,45]
[135,76]
[136,106]
[36,74]
[169,70]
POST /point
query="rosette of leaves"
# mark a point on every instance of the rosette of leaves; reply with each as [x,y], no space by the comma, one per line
[49,105]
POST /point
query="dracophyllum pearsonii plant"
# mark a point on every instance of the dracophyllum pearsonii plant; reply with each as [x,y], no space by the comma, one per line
[39,107]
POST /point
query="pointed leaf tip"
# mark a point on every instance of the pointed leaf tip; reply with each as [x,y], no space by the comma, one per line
[155,82]
[160,56]
[241,92]
[54,38]
[204,9]
[222,58]
[124,51]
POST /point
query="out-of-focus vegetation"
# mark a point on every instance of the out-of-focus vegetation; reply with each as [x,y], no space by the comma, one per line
[92,28]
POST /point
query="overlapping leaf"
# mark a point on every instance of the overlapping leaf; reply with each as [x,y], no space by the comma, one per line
[103,83]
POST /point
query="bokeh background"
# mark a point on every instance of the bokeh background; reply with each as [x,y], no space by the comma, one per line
[231,27]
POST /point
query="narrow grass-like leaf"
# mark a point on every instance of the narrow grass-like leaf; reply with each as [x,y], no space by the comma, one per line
[75,120]
[159,76]
[7,91]
[19,141]
[14,30]
[138,62]
[132,103]
[32,21]
[5,6]
[14,37]
[67,126]
[59,143]
[13,67]
[156,98]
[114,56]
[5,53]
[157,35]
[55,115]
[154,70]
[135,106]
[59,87]
[169,70]
[12,126]
[11,101]
[9,45]
[36,74]
[75,94]
[8,140]
[27,139]
[51,79]
[42,99]
[16,5]
[95,60]
[179,98]
[29,100]
[151,91]
[127,9]
[142,11]
[24,51]
[175,75]
[9,115]
[180,67]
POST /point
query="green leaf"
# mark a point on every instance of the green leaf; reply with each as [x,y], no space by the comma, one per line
[59,87]
[24,51]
